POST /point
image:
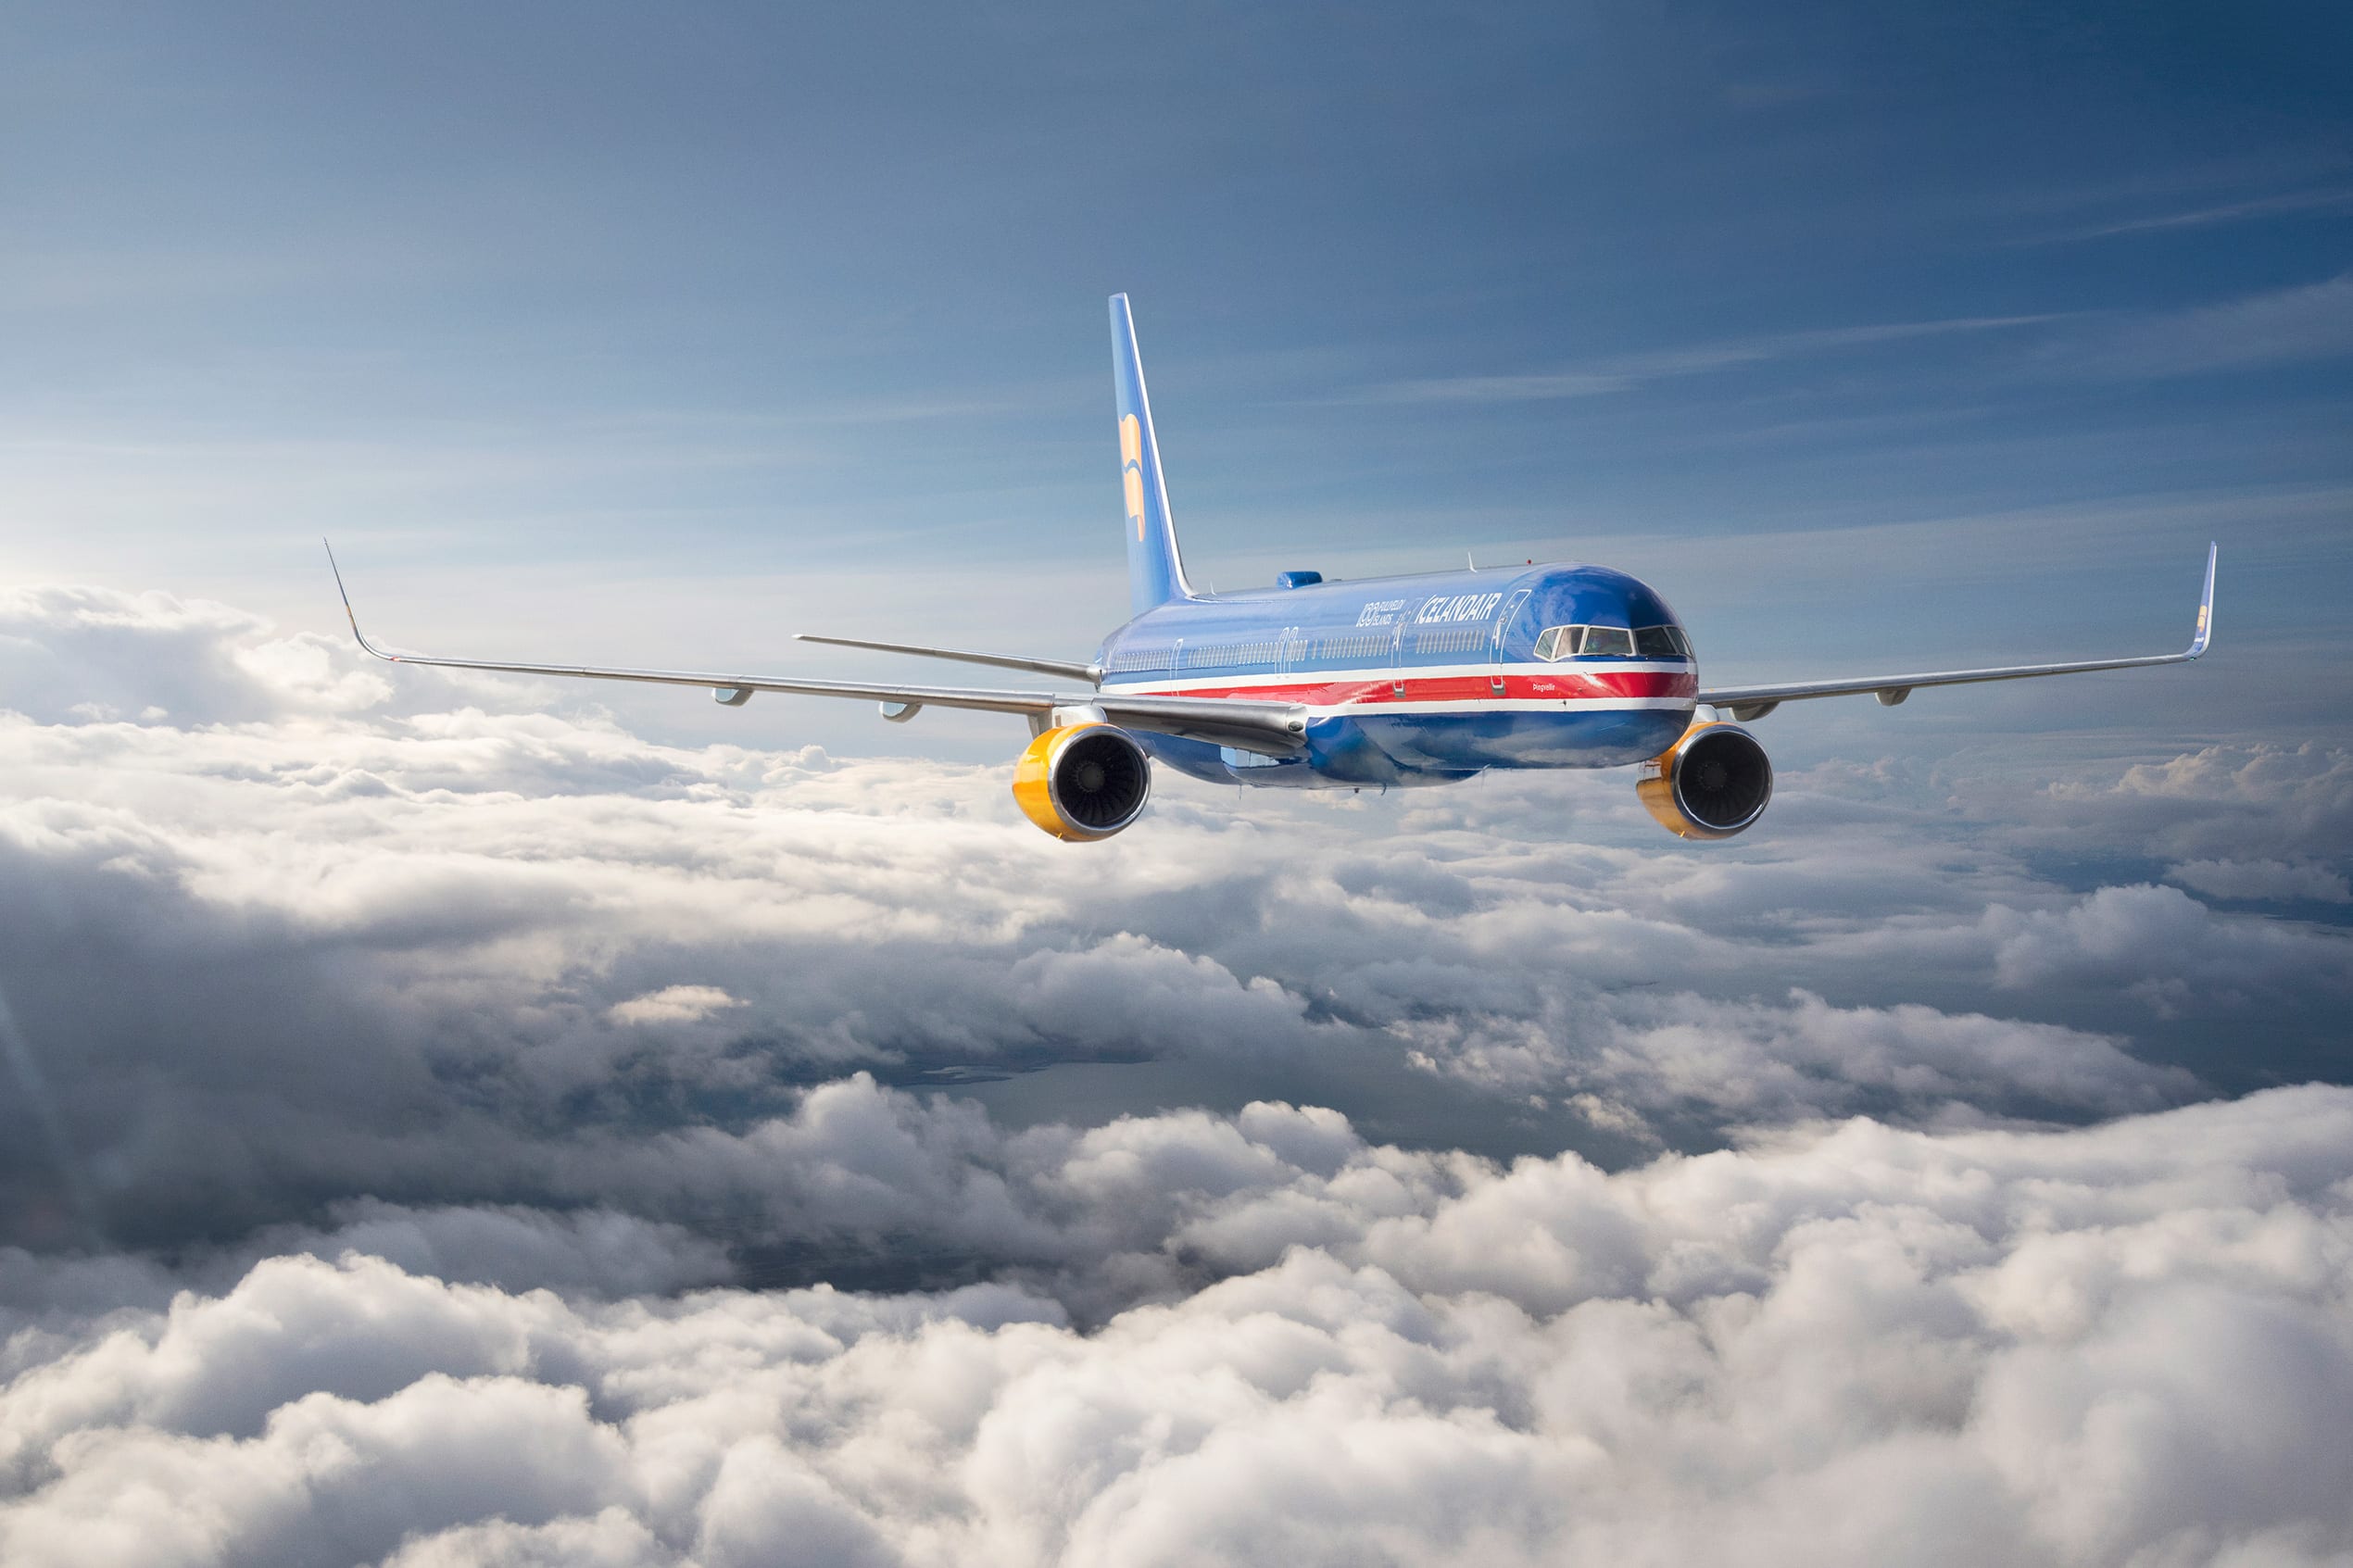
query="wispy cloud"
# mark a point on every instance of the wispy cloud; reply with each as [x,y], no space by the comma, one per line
[2277,327]
[2286,204]
[674,1004]
[1625,372]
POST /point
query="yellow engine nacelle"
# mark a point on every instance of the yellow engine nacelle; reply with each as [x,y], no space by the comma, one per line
[1083,782]
[1711,784]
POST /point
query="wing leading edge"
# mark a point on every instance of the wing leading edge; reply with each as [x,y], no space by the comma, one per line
[1755,702]
[1274,729]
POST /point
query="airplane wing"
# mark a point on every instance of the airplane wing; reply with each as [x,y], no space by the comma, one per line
[1754,702]
[1274,729]
[1064,668]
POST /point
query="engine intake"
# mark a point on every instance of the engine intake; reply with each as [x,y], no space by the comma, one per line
[1083,782]
[1712,783]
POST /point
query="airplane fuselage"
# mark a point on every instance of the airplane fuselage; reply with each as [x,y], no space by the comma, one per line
[1419,679]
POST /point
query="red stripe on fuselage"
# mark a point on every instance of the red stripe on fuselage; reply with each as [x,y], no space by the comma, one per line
[1362,690]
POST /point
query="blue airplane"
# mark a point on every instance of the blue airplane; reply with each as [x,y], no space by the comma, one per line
[1380,681]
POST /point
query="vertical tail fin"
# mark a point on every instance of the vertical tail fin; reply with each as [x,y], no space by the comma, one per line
[1155,571]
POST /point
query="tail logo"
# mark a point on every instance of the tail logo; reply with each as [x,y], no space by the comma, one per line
[1131,464]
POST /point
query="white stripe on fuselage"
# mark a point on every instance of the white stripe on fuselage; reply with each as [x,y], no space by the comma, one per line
[1161,686]
[1197,684]
[1402,707]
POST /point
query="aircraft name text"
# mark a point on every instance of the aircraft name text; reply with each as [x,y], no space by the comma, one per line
[1459,607]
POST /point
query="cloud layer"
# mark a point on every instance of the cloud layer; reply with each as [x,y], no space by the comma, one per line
[1853,1345]
[447,1131]
[306,932]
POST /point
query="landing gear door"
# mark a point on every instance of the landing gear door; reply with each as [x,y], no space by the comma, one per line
[1495,644]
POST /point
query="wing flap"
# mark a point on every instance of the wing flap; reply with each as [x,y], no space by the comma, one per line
[1271,728]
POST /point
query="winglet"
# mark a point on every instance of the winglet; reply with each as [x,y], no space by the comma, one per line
[2206,605]
[348,613]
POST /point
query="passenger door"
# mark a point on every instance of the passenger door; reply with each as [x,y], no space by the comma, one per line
[1495,644]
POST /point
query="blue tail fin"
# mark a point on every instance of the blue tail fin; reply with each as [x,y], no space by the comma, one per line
[1155,571]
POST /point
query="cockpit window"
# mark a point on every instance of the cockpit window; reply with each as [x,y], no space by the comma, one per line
[1661,642]
[1613,642]
[1601,642]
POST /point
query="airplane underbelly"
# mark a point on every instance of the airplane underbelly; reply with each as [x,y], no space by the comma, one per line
[1579,737]
[1398,750]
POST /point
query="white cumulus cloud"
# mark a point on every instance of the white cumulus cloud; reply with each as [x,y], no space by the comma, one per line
[1854,1344]
[674,1004]
[310,941]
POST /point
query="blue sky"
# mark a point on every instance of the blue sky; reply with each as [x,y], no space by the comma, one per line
[590,330]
